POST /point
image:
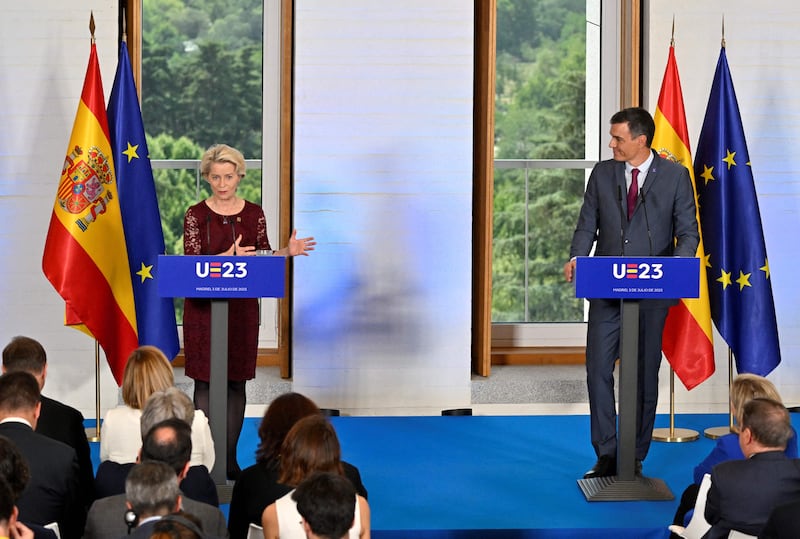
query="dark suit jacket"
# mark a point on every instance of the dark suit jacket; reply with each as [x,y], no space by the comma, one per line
[669,213]
[52,493]
[65,424]
[197,484]
[258,486]
[107,518]
[743,493]
[783,522]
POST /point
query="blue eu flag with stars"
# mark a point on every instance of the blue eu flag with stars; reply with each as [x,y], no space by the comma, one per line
[739,284]
[141,220]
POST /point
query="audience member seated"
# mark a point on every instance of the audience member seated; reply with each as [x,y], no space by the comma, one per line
[744,492]
[14,470]
[9,527]
[53,493]
[327,504]
[56,420]
[310,446]
[178,525]
[151,492]
[783,522]
[170,442]
[146,372]
[744,388]
[258,485]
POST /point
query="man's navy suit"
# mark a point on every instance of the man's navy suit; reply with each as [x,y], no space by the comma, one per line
[743,493]
[664,212]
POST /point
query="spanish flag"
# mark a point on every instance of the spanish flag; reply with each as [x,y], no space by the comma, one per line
[688,340]
[85,256]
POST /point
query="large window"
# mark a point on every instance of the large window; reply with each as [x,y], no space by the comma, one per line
[544,103]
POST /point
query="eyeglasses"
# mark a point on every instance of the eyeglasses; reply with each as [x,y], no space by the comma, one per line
[216,178]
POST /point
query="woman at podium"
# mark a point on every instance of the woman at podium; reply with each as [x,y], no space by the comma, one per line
[225,224]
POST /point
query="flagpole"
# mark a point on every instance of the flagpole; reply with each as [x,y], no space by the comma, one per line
[96,436]
[672,434]
[717,432]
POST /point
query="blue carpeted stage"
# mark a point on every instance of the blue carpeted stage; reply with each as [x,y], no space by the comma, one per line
[512,477]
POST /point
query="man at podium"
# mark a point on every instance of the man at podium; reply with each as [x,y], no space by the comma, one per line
[636,204]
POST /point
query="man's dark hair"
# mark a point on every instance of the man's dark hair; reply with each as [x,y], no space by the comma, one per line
[18,391]
[24,354]
[327,502]
[13,467]
[169,441]
[639,122]
[768,422]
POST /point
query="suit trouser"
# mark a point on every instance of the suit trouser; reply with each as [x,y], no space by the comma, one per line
[602,351]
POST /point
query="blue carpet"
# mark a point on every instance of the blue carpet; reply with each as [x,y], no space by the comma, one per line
[514,477]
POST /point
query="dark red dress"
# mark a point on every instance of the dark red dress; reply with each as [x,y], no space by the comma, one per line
[206,232]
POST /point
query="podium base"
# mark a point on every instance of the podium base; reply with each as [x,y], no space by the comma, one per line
[613,489]
[716,432]
[675,435]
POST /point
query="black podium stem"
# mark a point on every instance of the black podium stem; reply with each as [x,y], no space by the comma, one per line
[218,388]
[628,389]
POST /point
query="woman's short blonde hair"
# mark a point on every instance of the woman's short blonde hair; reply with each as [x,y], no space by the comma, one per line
[222,153]
[148,370]
[747,387]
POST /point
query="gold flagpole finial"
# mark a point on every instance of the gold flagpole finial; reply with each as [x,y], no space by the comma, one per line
[672,39]
[124,25]
[91,25]
[723,31]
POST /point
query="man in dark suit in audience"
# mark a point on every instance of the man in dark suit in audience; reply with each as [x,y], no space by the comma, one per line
[52,494]
[743,493]
[56,420]
[170,442]
[151,492]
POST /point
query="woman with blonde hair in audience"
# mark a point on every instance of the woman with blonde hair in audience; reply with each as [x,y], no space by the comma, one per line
[310,446]
[744,388]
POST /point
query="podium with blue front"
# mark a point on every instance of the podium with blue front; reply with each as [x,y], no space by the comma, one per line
[632,279]
[220,278]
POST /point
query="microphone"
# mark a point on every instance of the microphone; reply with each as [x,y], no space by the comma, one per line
[646,221]
[233,232]
[623,218]
[208,234]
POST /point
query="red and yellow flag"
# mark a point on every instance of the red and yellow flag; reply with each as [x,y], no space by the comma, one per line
[85,256]
[688,340]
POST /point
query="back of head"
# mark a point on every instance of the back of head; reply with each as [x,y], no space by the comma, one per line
[7,501]
[19,393]
[768,421]
[166,404]
[281,415]
[639,121]
[13,467]
[178,525]
[310,446]
[170,442]
[746,387]
[151,488]
[24,354]
[327,502]
[148,370]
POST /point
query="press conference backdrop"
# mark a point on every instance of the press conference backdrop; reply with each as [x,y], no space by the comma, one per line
[383,179]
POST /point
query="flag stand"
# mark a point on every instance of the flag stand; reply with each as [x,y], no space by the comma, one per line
[672,434]
[717,432]
[95,437]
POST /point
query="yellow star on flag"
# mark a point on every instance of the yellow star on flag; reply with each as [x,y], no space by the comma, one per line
[131,152]
[729,159]
[707,260]
[724,278]
[765,268]
[144,273]
[707,173]
[743,280]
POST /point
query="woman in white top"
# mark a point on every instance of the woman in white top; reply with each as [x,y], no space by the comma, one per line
[148,370]
[310,446]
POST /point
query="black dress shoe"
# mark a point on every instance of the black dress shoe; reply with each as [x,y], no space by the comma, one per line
[605,466]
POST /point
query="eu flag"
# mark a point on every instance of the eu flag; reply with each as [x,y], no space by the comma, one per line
[736,257]
[141,220]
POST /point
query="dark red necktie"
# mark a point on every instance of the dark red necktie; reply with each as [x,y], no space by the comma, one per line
[633,192]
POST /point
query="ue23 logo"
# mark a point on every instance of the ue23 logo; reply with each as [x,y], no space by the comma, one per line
[225,270]
[638,271]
